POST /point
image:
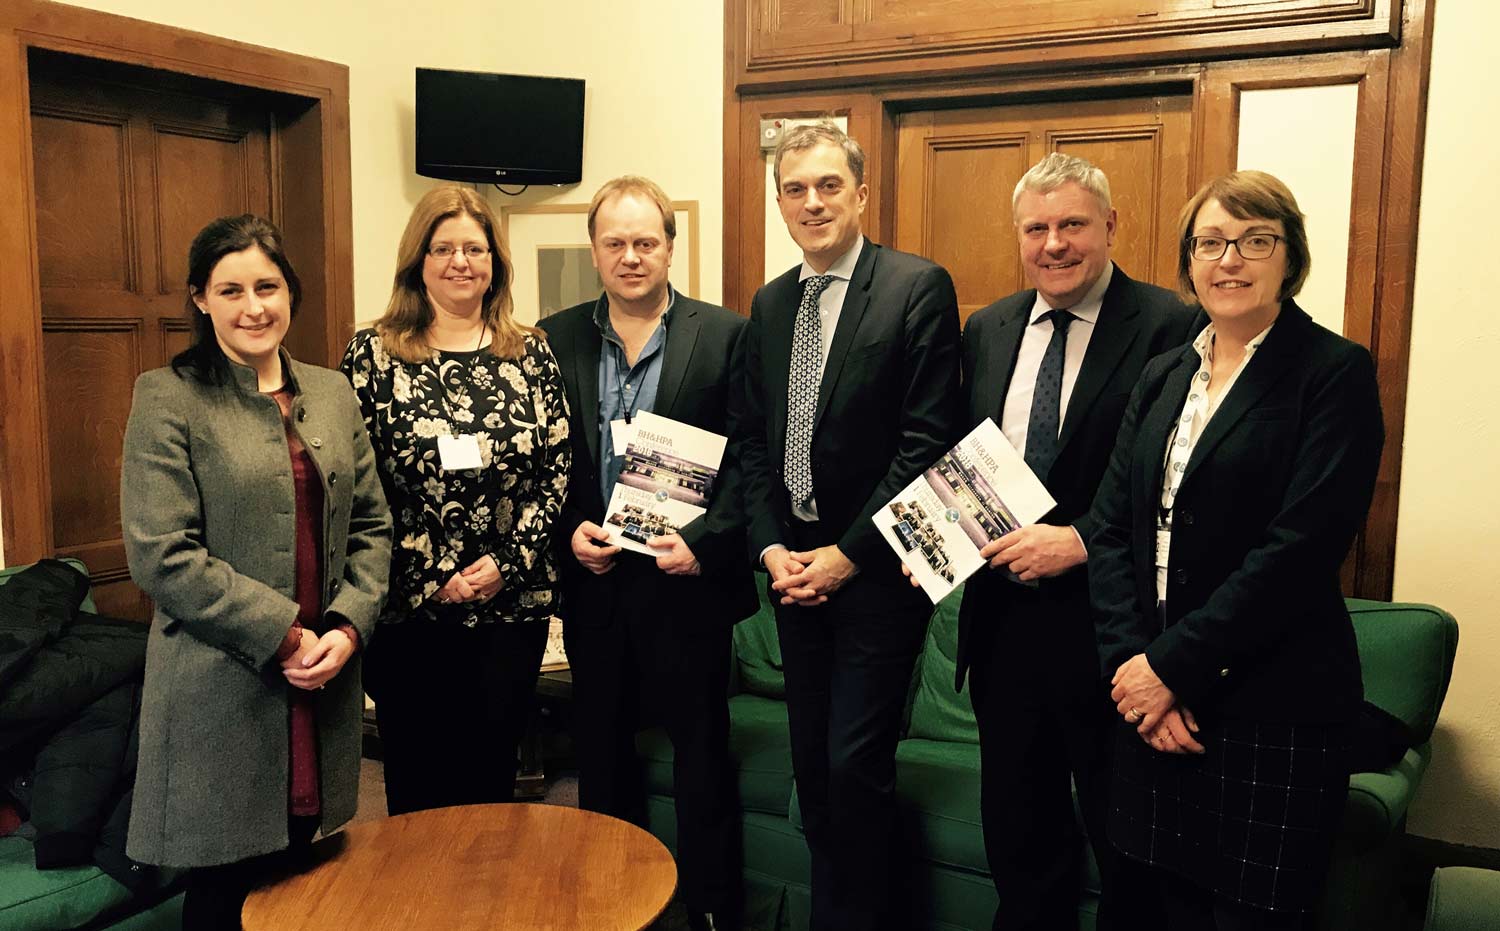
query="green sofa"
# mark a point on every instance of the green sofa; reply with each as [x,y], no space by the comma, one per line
[1407,652]
[76,897]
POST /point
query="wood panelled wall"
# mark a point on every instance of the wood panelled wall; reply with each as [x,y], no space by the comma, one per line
[873,60]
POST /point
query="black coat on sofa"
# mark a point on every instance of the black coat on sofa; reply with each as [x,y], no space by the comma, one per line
[69,698]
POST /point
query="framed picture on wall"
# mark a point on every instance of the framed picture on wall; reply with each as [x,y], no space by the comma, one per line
[549,248]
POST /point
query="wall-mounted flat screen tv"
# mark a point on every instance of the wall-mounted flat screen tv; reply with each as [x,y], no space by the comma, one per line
[501,128]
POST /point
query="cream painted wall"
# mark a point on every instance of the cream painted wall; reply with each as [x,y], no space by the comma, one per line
[1449,524]
[654,98]
[654,102]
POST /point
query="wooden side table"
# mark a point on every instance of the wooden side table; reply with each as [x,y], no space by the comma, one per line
[472,867]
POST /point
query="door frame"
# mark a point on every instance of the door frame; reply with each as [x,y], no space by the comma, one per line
[310,194]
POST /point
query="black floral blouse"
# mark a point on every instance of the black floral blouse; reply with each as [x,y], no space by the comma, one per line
[445,520]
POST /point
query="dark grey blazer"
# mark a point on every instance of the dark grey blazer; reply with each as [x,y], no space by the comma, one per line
[700,385]
[887,406]
[206,506]
[1137,321]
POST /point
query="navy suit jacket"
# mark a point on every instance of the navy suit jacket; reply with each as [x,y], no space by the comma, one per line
[700,385]
[1273,495]
[1050,628]
[887,405]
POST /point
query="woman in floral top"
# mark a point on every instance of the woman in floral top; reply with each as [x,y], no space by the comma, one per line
[469,421]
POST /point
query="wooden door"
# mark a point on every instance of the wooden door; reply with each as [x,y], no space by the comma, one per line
[125,175]
[956,170]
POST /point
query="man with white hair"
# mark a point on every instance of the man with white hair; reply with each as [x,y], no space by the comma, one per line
[1053,365]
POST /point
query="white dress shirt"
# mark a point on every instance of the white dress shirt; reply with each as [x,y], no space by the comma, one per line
[1017,411]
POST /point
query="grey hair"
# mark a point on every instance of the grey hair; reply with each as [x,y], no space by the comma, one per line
[808,135]
[1058,169]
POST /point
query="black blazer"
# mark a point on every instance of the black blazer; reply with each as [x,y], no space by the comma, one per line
[1275,490]
[1137,321]
[700,385]
[887,407]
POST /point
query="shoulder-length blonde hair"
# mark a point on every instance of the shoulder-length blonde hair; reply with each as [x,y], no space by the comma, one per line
[403,328]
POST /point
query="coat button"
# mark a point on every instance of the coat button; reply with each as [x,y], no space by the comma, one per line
[301,415]
[333,478]
[1224,673]
[1182,576]
[315,442]
[1186,517]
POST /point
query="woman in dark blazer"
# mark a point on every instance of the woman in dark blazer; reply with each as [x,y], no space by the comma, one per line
[1243,469]
[254,519]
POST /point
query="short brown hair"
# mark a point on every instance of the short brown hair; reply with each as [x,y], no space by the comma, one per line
[403,328]
[809,135]
[642,187]
[1247,195]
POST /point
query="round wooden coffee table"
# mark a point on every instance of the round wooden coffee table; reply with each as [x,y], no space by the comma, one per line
[541,867]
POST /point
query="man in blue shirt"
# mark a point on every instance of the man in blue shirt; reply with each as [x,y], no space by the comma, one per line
[648,639]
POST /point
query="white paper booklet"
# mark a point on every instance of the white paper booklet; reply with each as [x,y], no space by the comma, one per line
[668,478]
[979,491]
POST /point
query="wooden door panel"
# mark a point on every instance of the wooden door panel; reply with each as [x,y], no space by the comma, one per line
[200,173]
[981,254]
[958,168]
[82,173]
[125,177]
[87,362]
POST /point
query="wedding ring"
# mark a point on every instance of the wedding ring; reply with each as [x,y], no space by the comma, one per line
[1135,715]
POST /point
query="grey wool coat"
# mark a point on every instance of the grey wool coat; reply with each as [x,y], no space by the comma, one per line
[206,502]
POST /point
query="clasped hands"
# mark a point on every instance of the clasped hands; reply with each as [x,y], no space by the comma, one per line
[479,582]
[317,659]
[589,546]
[807,578]
[1144,701]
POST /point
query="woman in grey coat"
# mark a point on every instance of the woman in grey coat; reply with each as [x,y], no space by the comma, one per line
[255,521]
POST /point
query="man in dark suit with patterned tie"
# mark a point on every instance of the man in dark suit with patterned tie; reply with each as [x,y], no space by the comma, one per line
[852,390]
[1053,365]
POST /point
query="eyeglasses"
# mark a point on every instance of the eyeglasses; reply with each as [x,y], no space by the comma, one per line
[1212,248]
[473,251]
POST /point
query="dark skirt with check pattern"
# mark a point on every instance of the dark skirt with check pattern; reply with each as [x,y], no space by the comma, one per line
[1253,818]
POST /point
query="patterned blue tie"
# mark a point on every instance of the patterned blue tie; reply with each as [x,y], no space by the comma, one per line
[802,390]
[1046,400]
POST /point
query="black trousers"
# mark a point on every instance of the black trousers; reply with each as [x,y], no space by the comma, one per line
[215,895]
[452,703]
[848,665]
[649,658]
[1032,750]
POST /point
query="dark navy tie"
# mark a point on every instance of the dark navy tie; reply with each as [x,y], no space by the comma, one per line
[1046,400]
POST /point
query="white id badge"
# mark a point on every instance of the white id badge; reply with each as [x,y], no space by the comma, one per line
[621,432]
[459,453]
[1163,546]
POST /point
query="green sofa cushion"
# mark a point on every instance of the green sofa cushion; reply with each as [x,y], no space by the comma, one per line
[1378,801]
[1463,898]
[88,600]
[758,743]
[938,712]
[937,782]
[758,652]
[51,900]
[1406,652]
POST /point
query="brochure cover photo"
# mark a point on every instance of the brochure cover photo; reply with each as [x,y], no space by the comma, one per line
[979,491]
[668,480]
